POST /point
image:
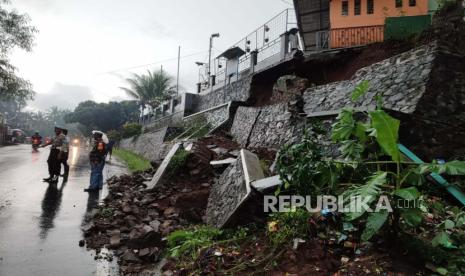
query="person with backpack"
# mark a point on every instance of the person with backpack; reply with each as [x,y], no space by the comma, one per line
[97,157]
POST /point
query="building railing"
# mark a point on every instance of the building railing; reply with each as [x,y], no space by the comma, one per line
[265,40]
[349,37]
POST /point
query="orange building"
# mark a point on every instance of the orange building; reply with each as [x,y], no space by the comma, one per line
[360,22]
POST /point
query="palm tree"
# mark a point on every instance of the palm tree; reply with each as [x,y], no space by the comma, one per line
[151,88]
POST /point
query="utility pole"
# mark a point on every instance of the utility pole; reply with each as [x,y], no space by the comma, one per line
[177,77]
[210,55]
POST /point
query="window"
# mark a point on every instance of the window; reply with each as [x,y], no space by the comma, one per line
[412,3]
[370,6]
[398,3]
[345,8]
[357,7]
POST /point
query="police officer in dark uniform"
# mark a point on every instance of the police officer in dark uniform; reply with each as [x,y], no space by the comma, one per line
[53,158]
[64,154]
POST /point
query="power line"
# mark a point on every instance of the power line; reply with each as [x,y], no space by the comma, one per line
[148,64]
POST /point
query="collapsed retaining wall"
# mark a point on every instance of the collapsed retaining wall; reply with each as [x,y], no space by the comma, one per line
[152,145]
[266,127]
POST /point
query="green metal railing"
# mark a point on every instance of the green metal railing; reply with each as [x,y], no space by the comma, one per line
[453,190]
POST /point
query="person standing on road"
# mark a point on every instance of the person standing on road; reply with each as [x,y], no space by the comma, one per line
[97,161]
[64,154]
[110,146]
[53,161]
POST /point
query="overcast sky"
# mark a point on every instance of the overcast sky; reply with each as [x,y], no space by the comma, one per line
[82,44]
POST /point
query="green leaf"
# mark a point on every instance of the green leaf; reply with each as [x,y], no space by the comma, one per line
[442,271]
[387,132]
[351,149]
[344,126]
[361,131]
[455,167]
[443,240]
[412,216]
[360,90]
[409,193]
[371,190]
[374,222]
[449,224]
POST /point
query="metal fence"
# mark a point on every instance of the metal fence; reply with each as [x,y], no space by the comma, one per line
[349,37]
[265,40]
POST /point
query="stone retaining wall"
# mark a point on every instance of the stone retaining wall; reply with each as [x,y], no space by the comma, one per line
[266,127]
[236,91]
[226,194]
[401,80]
[149,145]
[169,120]
[214,116]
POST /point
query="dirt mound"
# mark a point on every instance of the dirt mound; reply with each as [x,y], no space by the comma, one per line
[134,220]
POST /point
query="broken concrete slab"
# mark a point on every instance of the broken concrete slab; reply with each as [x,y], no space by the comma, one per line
[224,162]
[265,185]
[161,170]
[252,169]
[220,150]
[231,196]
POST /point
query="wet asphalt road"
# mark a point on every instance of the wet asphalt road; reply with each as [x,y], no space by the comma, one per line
[40,223]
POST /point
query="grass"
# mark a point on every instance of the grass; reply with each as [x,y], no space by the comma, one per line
[134,161]
[177,162]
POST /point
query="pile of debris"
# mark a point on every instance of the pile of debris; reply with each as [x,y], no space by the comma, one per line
[133,220]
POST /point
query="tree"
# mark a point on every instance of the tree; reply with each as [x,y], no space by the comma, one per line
[56,115]
[103,116]
[15,32]
[150,89]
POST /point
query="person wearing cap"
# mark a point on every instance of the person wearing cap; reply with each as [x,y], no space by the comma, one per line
[53,158]
[97,161]
[64,154]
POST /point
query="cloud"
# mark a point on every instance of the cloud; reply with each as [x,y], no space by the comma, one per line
[62,95]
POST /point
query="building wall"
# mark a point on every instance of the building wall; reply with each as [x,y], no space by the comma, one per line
[352,30]
[382,9]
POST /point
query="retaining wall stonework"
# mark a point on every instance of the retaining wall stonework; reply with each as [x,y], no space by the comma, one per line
[149,145]
[226,194]
[266,127]
[424,88]
[218,116]
[236,91]
[401,80]
[169,120]
[243,123]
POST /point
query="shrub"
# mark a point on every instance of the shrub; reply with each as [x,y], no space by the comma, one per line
[177,162]
[188,243]
[130,130]
[285,227]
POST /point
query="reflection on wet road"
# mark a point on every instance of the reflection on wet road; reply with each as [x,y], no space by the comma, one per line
[40,223]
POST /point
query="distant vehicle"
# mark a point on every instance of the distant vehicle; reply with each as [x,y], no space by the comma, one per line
[36,141]
[75,142]
[47,140]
